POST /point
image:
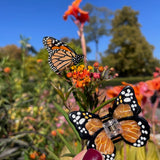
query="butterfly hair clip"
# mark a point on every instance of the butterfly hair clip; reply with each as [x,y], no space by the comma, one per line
[121,123]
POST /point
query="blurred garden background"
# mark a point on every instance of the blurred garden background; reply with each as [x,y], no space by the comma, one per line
[122,36]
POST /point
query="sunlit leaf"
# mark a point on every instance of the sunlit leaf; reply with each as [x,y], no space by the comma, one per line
[141,153]
[68,93]
[152,153]
[59,91]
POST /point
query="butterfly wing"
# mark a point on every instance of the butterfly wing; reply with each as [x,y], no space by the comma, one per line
[127,97]
[51,44]
[135,131]
[86,123]
[60,59]
[89,126]
[61,56]
[101,142]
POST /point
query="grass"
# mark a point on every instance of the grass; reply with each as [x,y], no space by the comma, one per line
[132,80]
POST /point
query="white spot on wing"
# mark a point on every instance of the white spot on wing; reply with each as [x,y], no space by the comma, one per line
[127,100]
[81,121]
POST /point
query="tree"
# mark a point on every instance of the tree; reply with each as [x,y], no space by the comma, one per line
[129,52]
[98,24]
[12,51]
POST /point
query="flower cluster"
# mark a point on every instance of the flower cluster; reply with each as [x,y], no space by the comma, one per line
[83,76]
[59,130]
[36,155]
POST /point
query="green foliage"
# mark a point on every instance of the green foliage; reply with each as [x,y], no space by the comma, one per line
[132,80]
[98,25]
[129,52]
[27,113]
[34,106]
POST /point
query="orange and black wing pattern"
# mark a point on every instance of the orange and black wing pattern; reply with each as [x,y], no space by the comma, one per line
[61,55]
[90,127]
[127,96]
[86,123]
[134,129]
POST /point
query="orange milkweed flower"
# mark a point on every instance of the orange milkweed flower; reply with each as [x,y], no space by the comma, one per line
[101,69]
[87,79]
[60,130]
[96,64]
[69,74]
[33,155]
[80,84]
[7,69]
[42,157]
[76,144]
[39,60]
[53,133]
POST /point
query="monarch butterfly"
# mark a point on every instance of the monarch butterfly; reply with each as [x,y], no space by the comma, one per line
[61,56]
[121,123]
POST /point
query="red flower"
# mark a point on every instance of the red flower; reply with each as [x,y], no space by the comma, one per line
[96,64]
[74,10]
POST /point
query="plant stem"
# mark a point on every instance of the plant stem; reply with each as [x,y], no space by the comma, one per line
[83,42]
[103,104]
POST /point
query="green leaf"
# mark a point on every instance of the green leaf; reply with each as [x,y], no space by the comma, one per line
[68,155]
[68,93]
[132,153]
[66,143]
[8,152]
[141,153]
[59,108]
[153,153]
[59,91]
[82,98]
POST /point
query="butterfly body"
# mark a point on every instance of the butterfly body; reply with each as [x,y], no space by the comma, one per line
[121,123]
[61,55]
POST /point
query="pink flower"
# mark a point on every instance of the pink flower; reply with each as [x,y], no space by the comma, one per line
[61,121]
[96,75]
[144,89]
[155,74]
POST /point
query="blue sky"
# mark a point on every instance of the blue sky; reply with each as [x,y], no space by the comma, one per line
[39,18]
